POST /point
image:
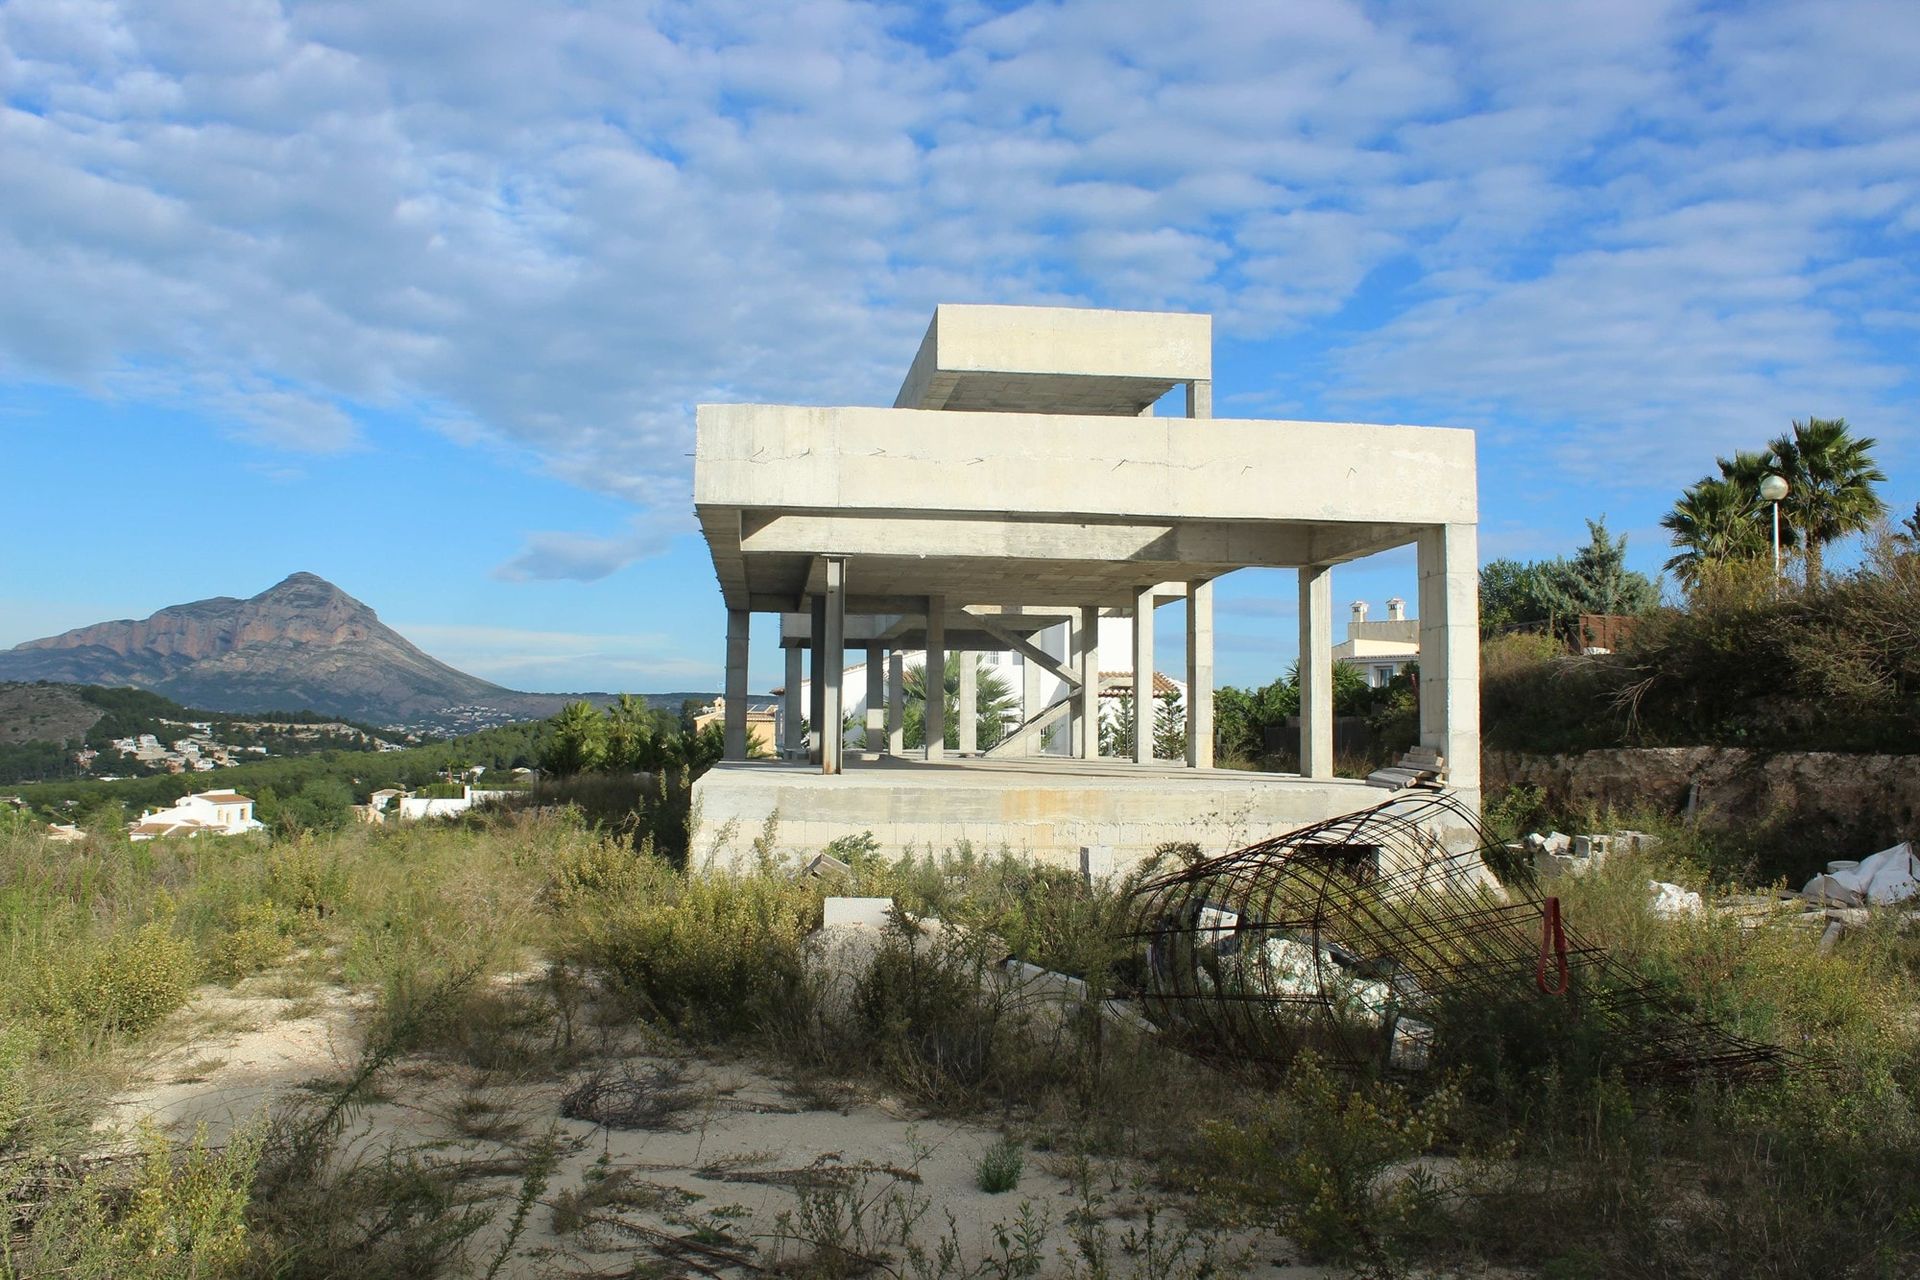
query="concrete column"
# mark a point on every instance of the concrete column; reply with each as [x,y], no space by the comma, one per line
[896,702]
[796,742]
[816,668]
[1143,703]
[1200,398]
[969,701]
[936,677]
[876,698]
[1200,675]
[736,718]
[1085,641]
[1030,690]
[832,739]
[1316,671]
[1450,653]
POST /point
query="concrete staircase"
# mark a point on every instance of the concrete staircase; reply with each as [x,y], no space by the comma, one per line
[1420,767]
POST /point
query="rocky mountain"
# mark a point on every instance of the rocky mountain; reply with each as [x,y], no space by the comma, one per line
[301,644]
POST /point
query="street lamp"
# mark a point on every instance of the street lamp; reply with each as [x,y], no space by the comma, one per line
[1772,489]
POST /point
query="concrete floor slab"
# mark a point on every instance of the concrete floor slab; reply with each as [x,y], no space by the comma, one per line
[1047,809]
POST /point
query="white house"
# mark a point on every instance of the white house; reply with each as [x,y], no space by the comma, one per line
[221,813]
[1380,650]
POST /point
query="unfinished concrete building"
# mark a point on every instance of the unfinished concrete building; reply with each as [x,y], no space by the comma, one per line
[1021,484]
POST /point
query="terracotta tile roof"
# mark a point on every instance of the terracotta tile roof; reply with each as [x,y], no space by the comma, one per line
[225,797]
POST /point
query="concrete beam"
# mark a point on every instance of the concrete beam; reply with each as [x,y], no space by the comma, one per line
[735,728]
[1143,703]
[1200,676]
[1033,653]
[854,459]
[1178,543]
[1316,671]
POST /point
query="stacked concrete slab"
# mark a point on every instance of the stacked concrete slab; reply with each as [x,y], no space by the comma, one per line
[1020,484]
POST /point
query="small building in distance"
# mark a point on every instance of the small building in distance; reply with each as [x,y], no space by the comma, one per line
[1379,650]
[221,813]
[760,726]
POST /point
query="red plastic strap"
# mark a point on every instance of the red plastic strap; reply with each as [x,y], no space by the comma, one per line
[1553,943]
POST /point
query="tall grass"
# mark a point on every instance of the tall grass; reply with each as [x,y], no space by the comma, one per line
[101,940]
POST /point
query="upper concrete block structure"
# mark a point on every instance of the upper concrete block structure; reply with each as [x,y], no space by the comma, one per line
[1055,360]
[1019,487]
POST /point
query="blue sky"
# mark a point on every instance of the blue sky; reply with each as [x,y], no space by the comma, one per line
[419,297]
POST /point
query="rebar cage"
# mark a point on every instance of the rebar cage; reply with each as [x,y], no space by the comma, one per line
[1368,941]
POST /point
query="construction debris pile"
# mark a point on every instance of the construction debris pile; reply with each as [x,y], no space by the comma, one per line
[1365,940]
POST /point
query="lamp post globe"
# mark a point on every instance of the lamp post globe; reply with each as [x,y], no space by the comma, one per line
[1772,489]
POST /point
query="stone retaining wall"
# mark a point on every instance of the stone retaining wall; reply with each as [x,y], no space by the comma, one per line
[1863,802]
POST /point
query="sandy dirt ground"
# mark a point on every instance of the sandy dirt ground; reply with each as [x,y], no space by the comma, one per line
[705,1166]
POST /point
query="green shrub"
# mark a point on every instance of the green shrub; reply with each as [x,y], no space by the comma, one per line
[1328,1163]
[303,878]
[258,934]
[181,1217]
[598,870]
[712,954]
[1000,1167]
[124,986]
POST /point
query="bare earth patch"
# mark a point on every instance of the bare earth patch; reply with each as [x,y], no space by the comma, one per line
[664,1162]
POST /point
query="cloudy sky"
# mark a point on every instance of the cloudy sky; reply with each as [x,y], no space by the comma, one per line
[420,296]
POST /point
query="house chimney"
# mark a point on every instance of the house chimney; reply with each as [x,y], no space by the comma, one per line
[1396,610]
[1359,611]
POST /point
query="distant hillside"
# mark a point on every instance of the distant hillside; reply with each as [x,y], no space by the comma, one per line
[43,726]
[302,643]
[55,713]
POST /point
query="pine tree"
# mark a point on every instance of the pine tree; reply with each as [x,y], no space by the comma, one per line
[1597,580]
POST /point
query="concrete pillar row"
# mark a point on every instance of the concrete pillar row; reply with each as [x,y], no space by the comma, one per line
[1085,640]
[795,745]
[1316,671]
[968,702]
[735,725]
[876,698]
[833,714]
[1200,675]
[896,702]
[935,673]
[1143,704]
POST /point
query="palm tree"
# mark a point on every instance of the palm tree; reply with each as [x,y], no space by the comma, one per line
[993,702]
[1830,474]
[1713,525]
[1907,536]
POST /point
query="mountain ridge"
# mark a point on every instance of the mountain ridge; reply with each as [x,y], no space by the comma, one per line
[301,643]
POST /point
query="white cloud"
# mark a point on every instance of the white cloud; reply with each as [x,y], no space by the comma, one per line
[562,227]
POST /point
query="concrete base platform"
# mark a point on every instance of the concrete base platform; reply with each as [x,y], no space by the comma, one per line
[1048,809]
